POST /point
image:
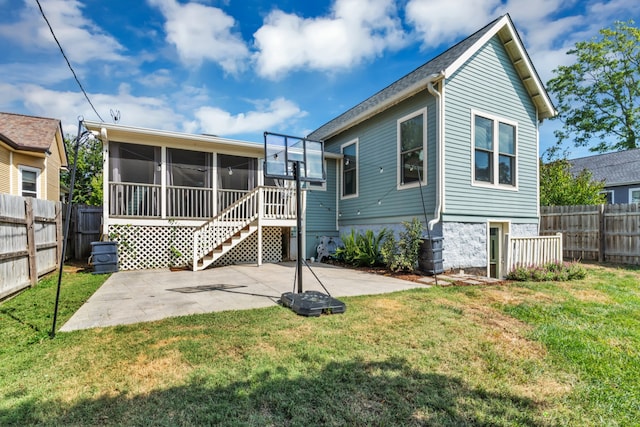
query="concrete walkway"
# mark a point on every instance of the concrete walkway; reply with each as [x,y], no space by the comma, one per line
[140,296]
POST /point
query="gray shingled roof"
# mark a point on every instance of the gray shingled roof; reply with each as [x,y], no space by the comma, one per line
[437,64]
[619,168]
[28,133]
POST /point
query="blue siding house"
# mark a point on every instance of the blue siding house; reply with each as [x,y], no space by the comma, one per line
[453,143]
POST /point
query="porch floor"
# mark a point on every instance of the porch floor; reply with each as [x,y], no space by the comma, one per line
[146,295]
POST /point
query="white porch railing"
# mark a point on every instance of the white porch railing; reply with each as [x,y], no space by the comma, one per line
[189,202]
[533,251]
[133,199]
[261,203]
[227,198]
[128,199]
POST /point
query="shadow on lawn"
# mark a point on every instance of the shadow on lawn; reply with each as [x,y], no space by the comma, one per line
[353,393]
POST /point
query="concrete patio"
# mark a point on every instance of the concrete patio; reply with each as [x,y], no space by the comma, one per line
[145,295]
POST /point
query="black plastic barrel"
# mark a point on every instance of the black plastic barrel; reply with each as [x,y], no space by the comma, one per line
[104,257]
[430,259]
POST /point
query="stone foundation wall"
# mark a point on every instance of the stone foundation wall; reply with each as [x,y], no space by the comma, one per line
[465,245]
[524,230]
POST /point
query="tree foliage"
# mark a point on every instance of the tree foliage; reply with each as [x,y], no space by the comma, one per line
[88,184]
[598,97]
[559,187]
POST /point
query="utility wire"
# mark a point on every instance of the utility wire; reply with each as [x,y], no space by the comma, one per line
[66,59]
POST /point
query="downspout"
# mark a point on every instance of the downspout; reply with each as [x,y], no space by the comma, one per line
[440,148]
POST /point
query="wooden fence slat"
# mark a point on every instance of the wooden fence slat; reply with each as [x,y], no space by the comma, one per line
[28,241]
[31,241]
[600,232]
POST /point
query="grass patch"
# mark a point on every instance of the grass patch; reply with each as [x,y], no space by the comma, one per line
[28,317]
[522,354]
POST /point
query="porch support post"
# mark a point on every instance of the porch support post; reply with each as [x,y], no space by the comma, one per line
[163,182]
[260,209]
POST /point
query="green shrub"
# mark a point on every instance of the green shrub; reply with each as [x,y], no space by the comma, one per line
[361,249]
[402,255]
[553,271]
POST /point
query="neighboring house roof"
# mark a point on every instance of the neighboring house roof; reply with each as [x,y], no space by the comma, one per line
[619,168]
[444,66]
[28,133]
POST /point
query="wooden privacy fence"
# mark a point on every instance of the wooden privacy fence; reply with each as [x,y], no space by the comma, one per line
[596,232]
[537,250]
[86,227]
[30,241]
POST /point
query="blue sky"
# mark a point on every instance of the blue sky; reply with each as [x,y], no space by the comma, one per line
[237,68]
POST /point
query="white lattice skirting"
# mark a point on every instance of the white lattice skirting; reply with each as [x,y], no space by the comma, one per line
[147,247]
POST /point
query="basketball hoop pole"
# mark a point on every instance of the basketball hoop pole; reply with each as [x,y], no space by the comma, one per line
[296,173]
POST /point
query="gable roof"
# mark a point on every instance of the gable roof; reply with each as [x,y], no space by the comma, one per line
[619,168]
[444,66]
[28,133]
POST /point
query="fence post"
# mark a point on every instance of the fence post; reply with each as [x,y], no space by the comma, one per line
[509,252]
[601,234]
[31,241]
[560,248]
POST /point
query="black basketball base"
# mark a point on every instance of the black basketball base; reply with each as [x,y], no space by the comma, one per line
[312,303]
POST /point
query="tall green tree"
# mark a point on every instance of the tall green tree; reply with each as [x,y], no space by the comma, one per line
[559,187]
[88,184]
[598,97]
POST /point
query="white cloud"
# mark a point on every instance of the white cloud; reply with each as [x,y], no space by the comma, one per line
[355,30]
[161,78]
[81,39]
[201,33]
[439,22]
[269,115]
[23,72]
[136,111]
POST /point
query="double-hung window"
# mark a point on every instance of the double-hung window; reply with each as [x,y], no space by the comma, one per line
[411,148]
[350,169]
[634,195]
[29,181]
[494,151]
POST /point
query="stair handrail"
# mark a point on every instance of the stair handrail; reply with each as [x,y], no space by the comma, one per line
[249,208]
[228,222]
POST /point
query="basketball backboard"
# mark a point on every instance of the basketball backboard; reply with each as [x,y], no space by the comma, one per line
[282,151]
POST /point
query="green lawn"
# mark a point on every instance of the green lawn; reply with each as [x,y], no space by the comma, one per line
[531,354]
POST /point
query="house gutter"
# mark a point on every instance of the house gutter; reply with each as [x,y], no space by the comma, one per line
[434,78]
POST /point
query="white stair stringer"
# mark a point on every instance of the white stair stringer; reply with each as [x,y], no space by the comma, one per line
[226,246]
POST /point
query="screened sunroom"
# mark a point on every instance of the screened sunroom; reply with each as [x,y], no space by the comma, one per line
[163,182]
[177,199]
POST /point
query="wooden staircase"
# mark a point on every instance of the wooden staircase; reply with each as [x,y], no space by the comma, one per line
[226,246]
[233,225]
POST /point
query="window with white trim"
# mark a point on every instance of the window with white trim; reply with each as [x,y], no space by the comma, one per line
[350,169]
[494,151]
[29,181]
[634,195]
[412,160]
[608,194]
